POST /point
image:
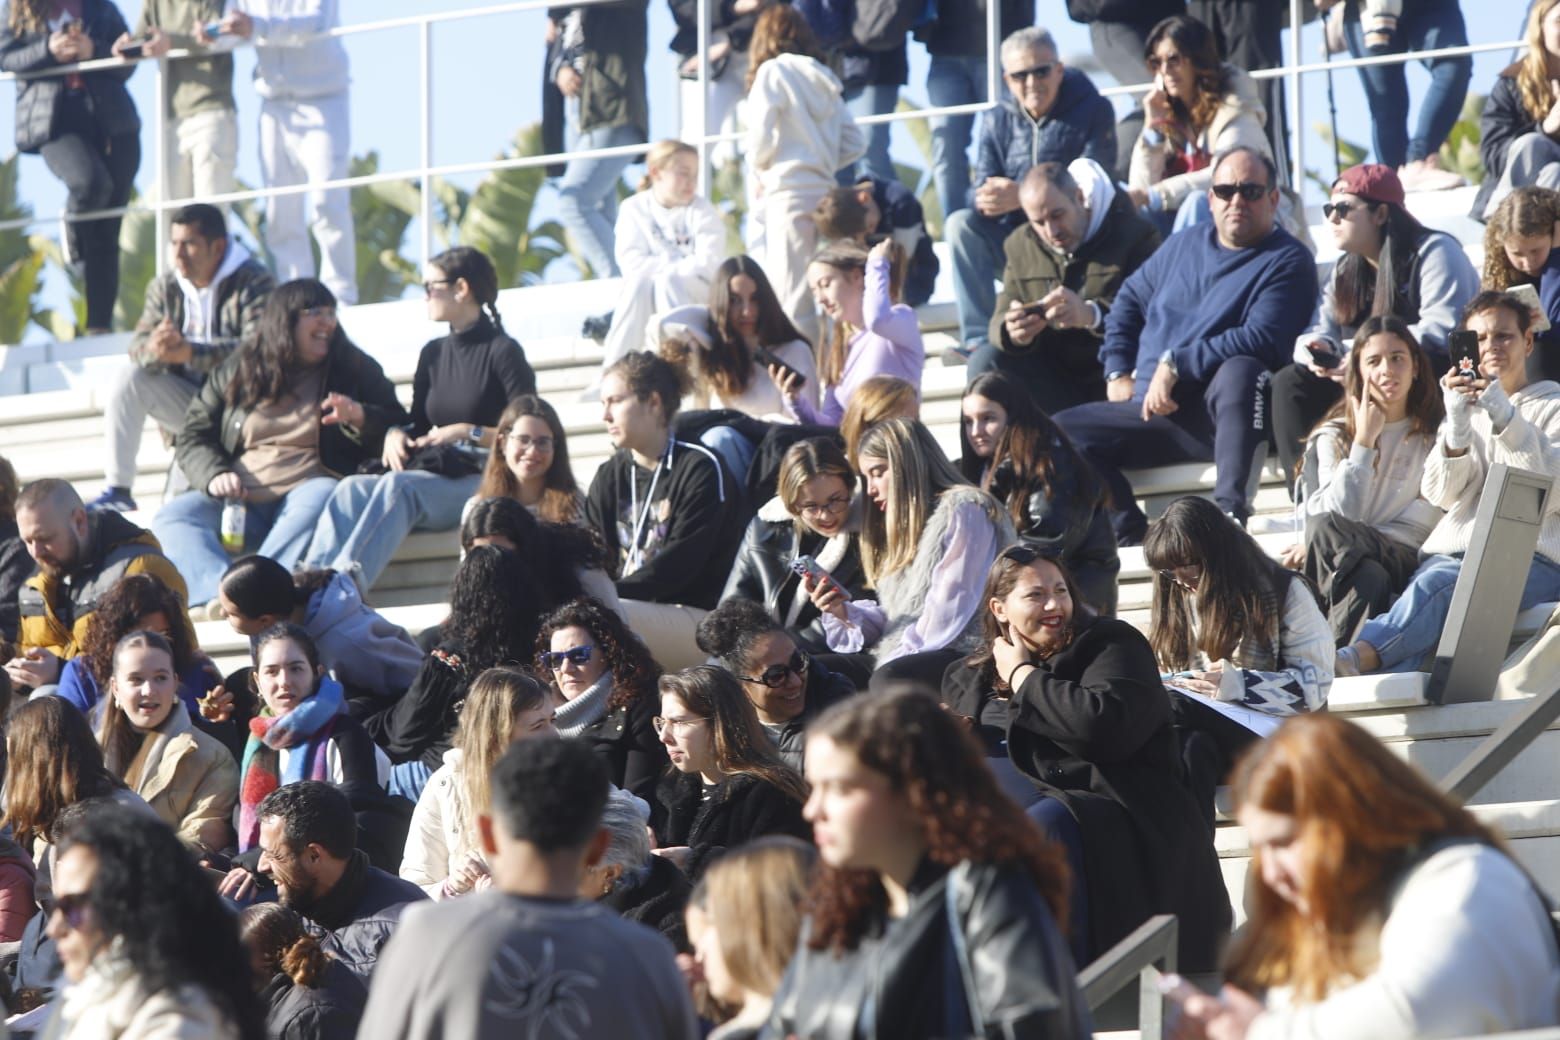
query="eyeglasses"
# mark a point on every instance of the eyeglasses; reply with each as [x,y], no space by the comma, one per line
[575,655]
[318,312]
[1245,189]
[1342,209]
[835,504]
[1168,63]
[73,908]
[429,286]
[776,674]
[1038,72]
[525,442]
[662,725]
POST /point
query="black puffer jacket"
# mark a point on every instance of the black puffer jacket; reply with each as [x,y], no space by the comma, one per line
[329,1011]
[762,572]
[37,100]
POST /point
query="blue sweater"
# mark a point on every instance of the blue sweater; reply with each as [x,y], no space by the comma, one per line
[1206,303]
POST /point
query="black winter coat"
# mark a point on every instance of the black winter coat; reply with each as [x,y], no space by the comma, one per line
[38,100]
[1070,523]
[762,573]
[1091,727]
[421,724]
[625,739]
[329,1011]
[1022,972]
[657,901]
[1504,119]
[739,810]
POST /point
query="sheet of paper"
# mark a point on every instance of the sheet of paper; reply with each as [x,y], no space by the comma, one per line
[1259,723]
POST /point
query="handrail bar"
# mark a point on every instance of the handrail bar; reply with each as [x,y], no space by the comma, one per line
[1145,955]
[1496,751]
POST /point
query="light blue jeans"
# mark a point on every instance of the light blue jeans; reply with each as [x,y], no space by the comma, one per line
[975,243]
[954,81]
[872,100]
[189,528]
[369,516]
[587,196]
[1412,627]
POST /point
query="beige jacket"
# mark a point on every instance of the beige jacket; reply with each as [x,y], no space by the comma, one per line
[437,844]
[110,1003]
[1239,120]
[188,778]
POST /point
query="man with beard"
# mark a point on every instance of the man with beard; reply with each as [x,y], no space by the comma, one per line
[80,556]
[308,849]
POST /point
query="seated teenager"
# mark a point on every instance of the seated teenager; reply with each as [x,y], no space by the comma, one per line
[1077,727]
[1012,449]
[443,849]
[1495,415]
[188,778]
[271,430]
[816,513]
[668,512]
[786,686]
[1391,265]
[727,347]
[927,540]
[1522,247]
[136,602]
[1365,517]
[530,464]
[728,784]
[1232,625]
[603,690]
[361,650]
[1520,122]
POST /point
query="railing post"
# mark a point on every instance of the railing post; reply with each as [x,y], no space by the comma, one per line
[702,42]
[425,83]
[1296,102]
[993,59]
[160,163]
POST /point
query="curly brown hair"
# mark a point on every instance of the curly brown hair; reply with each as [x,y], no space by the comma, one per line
[119,613]
[634,669]
[930,757]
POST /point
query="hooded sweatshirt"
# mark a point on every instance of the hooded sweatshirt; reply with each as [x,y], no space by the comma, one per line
[363,651]
[200,302]
[293,62]
[799,131]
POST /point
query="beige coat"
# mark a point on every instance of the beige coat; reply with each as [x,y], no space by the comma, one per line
[437,844]
[111,1004]
[1239,120]
[190,780]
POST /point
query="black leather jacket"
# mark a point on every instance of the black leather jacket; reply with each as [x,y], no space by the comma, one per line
[905,970]
[762,573]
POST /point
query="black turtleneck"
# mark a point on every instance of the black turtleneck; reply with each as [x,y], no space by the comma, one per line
[468,377]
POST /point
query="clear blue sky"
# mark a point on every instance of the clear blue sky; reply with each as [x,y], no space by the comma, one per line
[487,78]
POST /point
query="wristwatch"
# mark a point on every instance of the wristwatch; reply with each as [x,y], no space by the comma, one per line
[475,435]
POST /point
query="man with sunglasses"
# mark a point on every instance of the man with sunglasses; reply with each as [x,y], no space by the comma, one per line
[1191,341]
[1049,113]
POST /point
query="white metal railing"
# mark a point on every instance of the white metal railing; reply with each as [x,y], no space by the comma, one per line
[426,172]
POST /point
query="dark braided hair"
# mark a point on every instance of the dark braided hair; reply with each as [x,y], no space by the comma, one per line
[474,266]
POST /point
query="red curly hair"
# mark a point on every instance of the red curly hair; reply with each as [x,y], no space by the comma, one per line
[934,760]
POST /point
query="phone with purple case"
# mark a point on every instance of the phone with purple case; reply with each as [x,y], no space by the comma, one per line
[807,567]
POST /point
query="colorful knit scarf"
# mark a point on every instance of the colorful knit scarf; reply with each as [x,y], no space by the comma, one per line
[306,732]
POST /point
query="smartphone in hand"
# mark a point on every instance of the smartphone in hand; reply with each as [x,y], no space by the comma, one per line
[1463,345]
[1324,358]
[806,567]
[769,359]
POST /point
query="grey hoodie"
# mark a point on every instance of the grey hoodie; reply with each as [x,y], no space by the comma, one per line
[357,645]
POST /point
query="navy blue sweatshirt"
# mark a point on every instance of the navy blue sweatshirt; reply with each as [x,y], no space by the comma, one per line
[1206,303]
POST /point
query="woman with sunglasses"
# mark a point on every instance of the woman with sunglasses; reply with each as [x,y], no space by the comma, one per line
[1233,625]
[493,619]
[145,943]
[430,468]
[787,688]
[1391,265]
[532,464]
[728,784]
[1200,106]
[1076,726]
[603,689]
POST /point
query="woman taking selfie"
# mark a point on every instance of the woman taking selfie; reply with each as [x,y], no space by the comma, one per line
[1077,728]
[1379,909]
[928,872]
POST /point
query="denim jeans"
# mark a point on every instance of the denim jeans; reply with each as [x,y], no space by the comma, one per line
[587,196]
[188,528]
[1412,627]
[408,779]
[872,99]
[975,243]
[369,516]
[1422,26]
[954,81]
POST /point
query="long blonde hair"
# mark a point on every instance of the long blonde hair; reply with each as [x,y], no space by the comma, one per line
[496,699]
[1526,212]
[919,474]
[1533,67]
[754,896]
[660,156]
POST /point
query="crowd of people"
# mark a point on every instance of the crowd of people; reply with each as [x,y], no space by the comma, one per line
[789,721]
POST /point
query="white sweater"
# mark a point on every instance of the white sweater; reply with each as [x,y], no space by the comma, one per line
[682,241]
[799,131]
[1466,950]
[1378,487]
[1528,442]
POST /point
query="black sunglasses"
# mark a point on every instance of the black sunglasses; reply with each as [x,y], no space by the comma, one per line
[1343,209]
[1245,189]
[577,655]
[1038,72]
[775,675]
[73,908]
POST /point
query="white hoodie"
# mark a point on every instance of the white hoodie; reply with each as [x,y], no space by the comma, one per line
[799,131]
[200,304]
